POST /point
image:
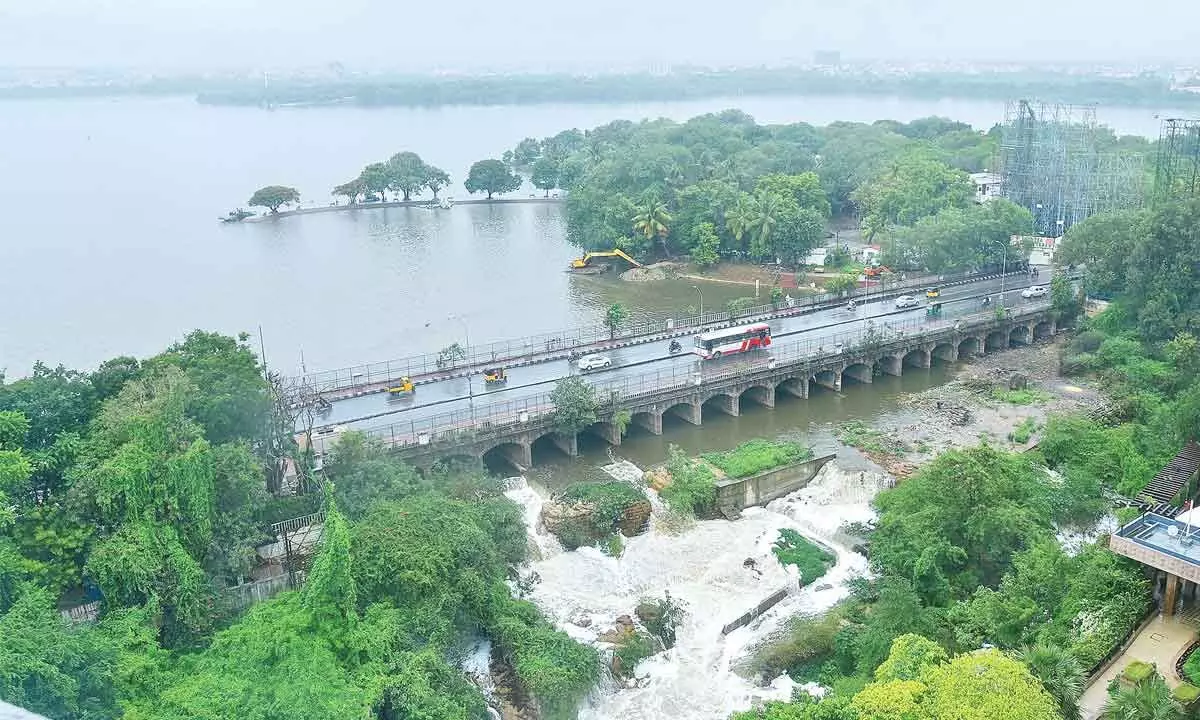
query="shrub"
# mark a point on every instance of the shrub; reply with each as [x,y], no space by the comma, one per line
[810,559]
[1088,341]
[858,434]
[1137,671]
[610,499]
[1186,693]
[756,456]
[1028,396]
[1191,667]
[1021,433]
[801,649]
[693,488]
[639,647]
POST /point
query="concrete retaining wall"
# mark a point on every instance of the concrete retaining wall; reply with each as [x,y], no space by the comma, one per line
[758,609]
[768,485]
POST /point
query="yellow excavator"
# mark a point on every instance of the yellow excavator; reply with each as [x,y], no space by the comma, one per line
[582,263]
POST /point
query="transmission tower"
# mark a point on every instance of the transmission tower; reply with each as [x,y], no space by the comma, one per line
[1050,164]
[1177,172]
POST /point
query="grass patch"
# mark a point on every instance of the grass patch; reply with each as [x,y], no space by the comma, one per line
[805,644]
[1191,668]
[613,545]
[1021,433]
[1137,671]
[858,434]
[693,488]
[756,456]
[810,559]
[1124,516]
[1028,396]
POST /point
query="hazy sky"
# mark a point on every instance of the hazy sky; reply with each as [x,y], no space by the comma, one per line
[573,34]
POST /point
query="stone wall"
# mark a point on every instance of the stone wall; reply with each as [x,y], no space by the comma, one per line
[762,488]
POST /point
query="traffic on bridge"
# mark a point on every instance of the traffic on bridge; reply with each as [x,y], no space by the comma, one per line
[464,393]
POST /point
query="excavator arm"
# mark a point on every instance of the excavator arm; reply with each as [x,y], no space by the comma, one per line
[616,252]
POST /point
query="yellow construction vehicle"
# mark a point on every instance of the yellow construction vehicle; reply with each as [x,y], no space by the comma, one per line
[581,263]
[404,387]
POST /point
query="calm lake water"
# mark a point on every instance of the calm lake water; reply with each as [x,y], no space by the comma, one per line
[110,245]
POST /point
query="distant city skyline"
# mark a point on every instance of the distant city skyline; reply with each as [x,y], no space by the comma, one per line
[540,35]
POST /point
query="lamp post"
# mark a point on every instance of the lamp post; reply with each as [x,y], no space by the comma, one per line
[470,379]
[697,289]
[1003,268]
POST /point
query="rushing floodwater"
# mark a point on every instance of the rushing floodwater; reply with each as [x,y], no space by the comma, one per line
[110,244]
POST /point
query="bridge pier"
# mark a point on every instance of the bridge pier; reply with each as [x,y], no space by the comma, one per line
[517,454]
[651,421]
[569,444]
[796,387]
[690,412]
[764,396]
[920,358]
[607,431]
[728,404]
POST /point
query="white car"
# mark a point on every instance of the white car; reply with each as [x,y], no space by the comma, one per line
[1035,291]
[907,301]
[594,362]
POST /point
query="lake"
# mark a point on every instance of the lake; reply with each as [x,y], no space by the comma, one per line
[110,244]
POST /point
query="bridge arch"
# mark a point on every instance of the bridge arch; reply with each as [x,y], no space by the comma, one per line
[861,372]
[969,347]
[507,456]
[724,401]
[795,386]
[890,364]
[917,357]
[1043,330]
[553,445]
[650,421]
[452,462]
[828,379]
[945,352]
[686,410]
[761,394]
[1018,335]
[996,340]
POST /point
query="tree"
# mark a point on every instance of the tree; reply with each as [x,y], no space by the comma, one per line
[956,524]
[1060,674]
[762,224]
[1063,299]
[651,222]
[545,174]
[435,179]
[1147,700]
[805,189]
[575,405]
[367,474]
[274,196]
[839,284]
[375,179]
[705,244]
[739,218]
[491,176]
[797,234]
[351,190]
[614,316]
[1162,273]
[406,174]
[1104,243]
[910,657]
[911,188]
[984,685]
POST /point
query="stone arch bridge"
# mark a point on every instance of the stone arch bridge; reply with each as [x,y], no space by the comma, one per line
[513,441]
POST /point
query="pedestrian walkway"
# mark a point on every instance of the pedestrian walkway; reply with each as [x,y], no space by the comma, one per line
[1159,643]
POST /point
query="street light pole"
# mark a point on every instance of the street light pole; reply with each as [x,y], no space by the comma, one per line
[1003,269]
[697,289]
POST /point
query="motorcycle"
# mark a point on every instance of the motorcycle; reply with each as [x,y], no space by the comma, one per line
[987,301]
[675,347]
[851,306]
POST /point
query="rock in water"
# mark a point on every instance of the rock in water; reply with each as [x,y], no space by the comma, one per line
[1018,381]
[635,518]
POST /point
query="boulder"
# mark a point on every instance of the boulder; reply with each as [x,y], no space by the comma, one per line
[636,518]
[571,523]
[1018,381]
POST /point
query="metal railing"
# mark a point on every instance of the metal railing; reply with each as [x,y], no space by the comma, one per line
[470,424]
[567,340]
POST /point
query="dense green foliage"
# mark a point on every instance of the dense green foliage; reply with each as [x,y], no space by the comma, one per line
[405,173]
[575,404]
[693,487]
[809,558]
[1143,90]
[145,484]
[722,186]
[755,456]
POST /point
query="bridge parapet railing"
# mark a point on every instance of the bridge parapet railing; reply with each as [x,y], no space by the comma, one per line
[570,339]
[470,425]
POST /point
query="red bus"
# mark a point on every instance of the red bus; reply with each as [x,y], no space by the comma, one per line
[712,345]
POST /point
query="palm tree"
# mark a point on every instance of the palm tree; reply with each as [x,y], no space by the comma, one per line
[1059,672]
[651,221]
[762,224]
[737,219]
[1148,700]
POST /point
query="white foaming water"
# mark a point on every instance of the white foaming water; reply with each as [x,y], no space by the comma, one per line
[704,568]
[520,492]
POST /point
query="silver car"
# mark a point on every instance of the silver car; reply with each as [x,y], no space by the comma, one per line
[1035,291]
[907,301]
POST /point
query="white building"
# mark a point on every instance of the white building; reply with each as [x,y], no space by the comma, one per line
[987,185]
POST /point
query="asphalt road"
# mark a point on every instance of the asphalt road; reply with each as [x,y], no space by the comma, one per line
[381,409]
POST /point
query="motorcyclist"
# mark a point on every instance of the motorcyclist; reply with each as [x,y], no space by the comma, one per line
[987,301]
[851,306]
[675,347]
